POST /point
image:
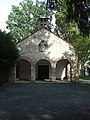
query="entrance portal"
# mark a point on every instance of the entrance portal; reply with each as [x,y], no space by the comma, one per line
[43,72]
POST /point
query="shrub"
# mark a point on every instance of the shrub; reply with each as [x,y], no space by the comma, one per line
[8,55]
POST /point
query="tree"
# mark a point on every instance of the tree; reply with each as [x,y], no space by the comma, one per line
[81,44]
[82,47]
[8,55]
[24,19]
[72,32]
[76,10]
[70,29]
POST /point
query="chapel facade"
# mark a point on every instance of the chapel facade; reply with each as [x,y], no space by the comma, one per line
[46,56]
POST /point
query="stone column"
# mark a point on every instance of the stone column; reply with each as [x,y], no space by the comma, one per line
[68,72]
[74,72]
[53,65]
[33,75]
[12,75]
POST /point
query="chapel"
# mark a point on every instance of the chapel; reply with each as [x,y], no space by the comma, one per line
[46,56]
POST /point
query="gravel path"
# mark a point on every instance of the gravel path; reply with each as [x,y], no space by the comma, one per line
[51,101]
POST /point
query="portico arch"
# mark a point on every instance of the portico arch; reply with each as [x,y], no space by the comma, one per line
[23,69]
[43,69]
[63,69]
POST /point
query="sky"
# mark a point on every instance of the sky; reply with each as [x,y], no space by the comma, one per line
[5,9]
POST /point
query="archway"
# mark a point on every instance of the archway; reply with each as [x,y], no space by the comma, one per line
[63,69]
[43,70]
[23,70]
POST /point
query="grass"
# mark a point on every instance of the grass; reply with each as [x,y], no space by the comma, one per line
[84,78]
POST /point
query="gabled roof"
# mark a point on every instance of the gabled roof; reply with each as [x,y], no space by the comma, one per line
[49,31]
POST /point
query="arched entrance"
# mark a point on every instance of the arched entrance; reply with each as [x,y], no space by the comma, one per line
[23,70]
[63,70]
[43,70]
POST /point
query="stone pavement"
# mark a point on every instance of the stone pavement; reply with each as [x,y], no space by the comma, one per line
[85,81]
[51,101]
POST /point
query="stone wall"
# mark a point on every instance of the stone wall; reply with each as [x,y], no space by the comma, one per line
[45,45]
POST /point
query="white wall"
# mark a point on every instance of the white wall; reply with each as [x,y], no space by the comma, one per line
[61,69]
[56,46]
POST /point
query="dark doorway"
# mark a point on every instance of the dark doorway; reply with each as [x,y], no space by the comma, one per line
[43,72]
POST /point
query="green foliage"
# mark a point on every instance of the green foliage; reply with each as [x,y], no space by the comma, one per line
[8,55]
[67,28]
[77,11]
[81,44]
[8,51]
[24,19]
[71,28]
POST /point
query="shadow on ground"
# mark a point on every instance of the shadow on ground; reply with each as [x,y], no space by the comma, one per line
[51,101]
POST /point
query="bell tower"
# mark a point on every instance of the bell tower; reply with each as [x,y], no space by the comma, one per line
[43,21]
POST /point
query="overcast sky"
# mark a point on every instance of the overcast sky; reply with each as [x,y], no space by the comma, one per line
[5,8]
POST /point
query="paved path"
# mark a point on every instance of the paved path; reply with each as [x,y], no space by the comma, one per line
[51,101]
